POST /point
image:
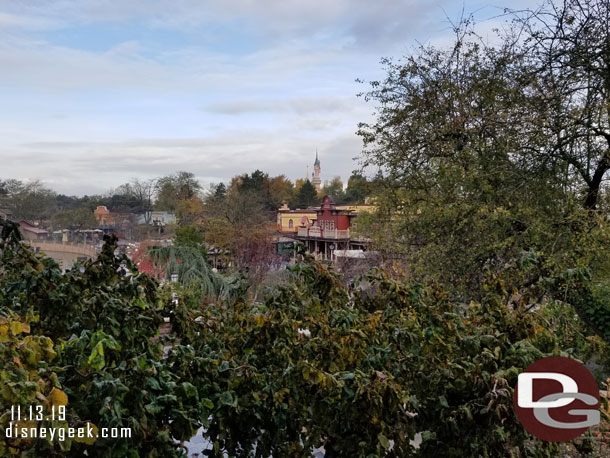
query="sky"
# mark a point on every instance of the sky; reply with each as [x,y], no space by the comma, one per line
[94,93]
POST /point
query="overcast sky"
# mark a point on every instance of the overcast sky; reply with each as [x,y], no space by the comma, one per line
[96,92]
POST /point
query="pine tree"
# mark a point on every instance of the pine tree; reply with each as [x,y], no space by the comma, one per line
[307,196]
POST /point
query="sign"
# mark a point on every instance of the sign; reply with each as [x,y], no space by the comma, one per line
[557,399]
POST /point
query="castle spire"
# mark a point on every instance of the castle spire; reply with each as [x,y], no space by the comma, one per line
[315,180]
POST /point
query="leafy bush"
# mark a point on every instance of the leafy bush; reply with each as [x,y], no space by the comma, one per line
[362,371]
[365,371]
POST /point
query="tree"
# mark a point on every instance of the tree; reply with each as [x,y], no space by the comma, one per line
[281,190]
[144,191]
[190,236]
[272,191]
[358,188]
[189,210]
[31,200]
[568,65]
[253,182]
[190,265]
[135,196]
[63,202]
[268,378]
[307,196]
[386,360]
[220,190]
[88,340]
[483,162]
[81,218]
[335,189]
[449,136]
[173,188]
[537,101]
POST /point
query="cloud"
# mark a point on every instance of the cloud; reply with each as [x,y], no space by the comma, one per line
[87,167]
[298,105]
[366,23]
[95,92]
[10,21]
[48,67]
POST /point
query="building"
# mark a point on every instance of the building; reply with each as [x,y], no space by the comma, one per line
[102,216]
[316,181]
[117,223]
[288,221]
[31,232]
[332,229]
[157,218]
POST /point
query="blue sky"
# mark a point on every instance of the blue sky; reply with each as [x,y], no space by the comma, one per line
[96,92]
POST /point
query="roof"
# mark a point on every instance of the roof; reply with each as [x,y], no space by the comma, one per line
[25,226]
[312,210]
[317,161]
[284,239]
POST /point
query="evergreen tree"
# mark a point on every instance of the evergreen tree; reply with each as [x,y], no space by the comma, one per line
[358,189]
[220,190]
[307,196]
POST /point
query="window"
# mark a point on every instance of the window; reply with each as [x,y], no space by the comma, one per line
[290,224]
[332,225]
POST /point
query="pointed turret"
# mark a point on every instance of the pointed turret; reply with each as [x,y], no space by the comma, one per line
[315,178]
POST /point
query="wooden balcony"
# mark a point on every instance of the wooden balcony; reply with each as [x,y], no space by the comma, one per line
[320,233]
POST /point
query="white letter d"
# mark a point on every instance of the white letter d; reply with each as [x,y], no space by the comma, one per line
[525,382]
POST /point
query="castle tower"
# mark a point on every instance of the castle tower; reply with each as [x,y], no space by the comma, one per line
[315,177]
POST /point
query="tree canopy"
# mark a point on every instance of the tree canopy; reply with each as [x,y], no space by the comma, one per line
[307,196]
[357,370]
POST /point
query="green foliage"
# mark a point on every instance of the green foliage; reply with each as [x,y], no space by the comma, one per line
[362,371]
[109,362]
[31,200]
[307,196]
[358,189]
[359,370]
[28,379]
[81,218]
[174,188]
[270,192]
[189,236]
[485,152]
[191,266]
[335,190]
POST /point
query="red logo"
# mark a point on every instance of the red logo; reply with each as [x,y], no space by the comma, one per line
[557,399]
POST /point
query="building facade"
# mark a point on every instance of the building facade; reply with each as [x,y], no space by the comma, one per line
[32,232]
[118,223]
[156,218]
[102,216]
[289,221]
[330,229]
